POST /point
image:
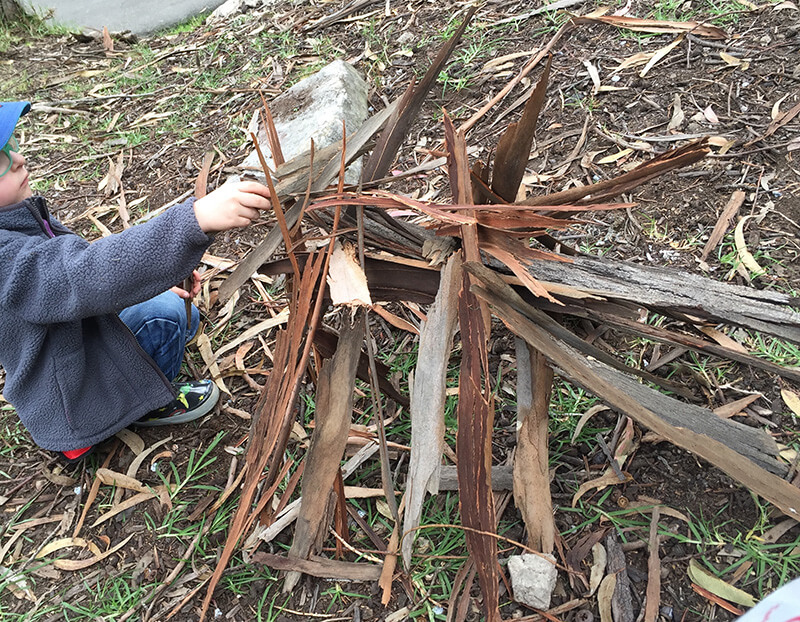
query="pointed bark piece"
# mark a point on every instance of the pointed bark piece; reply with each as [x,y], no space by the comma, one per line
[531,461]
[604,190]
[334,407]
[744,453]
[398,126]
[514,147]
[428,400]
[653,571]
[621,601]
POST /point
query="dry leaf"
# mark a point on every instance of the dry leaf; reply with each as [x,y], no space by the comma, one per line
[640,58]
[598,570]
[594,75]
[717,586]
[204,345]
[62,543]
[745,257]
[741,63]
[677,114]
[710,115]
[604,597]
[616,156]
[658,55]
[132,440]
[74,564]
[17,584]
[112,478]
[585,417]
[792,400]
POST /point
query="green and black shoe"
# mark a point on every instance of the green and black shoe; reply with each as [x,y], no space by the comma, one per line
[195,399]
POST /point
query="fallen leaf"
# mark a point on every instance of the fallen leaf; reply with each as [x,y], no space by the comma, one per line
[745,256]
[585,417]
[677,114]
[710,115]
[717,586]
[204,345]
[792,400]
[62,543]
[741,63]
[594,75]
[112,478]
[734,408]
[658,55]
[615,156]
[604,597]
[598,570]
[775,113]
[17,584]
[132,440]
[640,58]
[75,564]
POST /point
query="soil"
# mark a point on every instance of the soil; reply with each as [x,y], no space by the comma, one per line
[669,226]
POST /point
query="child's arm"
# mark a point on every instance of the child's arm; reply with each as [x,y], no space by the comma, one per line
[66,278]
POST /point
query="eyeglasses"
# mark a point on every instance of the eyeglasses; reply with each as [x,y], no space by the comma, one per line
[5,155]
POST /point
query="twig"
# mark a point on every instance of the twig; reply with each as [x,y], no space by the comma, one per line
[554,6]
[524,72]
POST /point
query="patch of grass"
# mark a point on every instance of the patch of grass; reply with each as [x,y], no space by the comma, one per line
[190,25]
[30,25]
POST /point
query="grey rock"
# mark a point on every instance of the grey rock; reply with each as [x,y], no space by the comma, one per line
[141,17]
[225,10]
[314,108]
[533,578]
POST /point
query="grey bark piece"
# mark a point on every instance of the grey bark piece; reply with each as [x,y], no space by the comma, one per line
[314,108]
[656,287]
[533,578]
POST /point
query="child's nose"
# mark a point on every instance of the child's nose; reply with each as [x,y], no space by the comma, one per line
[17,159]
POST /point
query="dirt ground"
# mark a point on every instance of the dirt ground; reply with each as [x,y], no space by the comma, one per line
[733,90]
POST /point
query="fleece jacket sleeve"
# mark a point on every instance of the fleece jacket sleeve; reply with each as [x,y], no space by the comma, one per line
[61,279]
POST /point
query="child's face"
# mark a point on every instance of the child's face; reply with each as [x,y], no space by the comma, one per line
[14,184]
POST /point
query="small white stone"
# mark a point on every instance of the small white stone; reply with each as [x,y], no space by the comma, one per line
[533,578]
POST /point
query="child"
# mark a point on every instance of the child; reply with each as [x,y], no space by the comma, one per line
[90,334]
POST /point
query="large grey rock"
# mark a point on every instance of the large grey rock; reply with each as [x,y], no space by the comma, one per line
[533,578]
[314,108]
[140,17]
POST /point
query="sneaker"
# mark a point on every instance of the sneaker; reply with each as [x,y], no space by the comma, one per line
[75,455]
[195,399]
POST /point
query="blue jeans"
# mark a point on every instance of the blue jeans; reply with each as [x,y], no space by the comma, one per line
[160,327]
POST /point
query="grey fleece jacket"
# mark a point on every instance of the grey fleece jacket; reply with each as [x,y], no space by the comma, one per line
[74,372]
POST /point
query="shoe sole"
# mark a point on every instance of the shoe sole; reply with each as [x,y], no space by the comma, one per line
[190,415]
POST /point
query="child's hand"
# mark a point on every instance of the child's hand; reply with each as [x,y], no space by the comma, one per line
[231,205]
[196,284]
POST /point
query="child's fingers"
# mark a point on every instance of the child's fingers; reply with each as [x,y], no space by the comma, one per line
[253,187]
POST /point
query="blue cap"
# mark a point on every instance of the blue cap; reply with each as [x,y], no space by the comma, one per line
[10,112]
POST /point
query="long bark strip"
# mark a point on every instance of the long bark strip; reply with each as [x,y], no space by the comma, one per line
[474,449]
[428,400]
[334,408]
[531,463]
[626,395]
[475,402]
